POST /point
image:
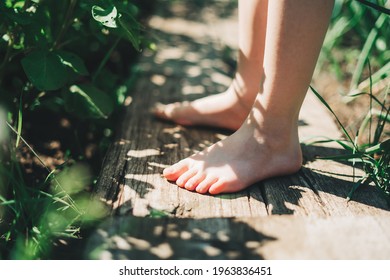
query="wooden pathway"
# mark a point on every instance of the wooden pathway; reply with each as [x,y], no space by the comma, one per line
[302,216]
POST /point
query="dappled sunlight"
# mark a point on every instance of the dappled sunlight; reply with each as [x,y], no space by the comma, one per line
[123,238]
[189,89]
[158,80]
[143,153]
[221,79]
[193,71]
[168,53]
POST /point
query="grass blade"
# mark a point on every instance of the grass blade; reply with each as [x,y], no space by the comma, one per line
[20,123]
[355,186]
[375,6]
[371,38]
[333,113]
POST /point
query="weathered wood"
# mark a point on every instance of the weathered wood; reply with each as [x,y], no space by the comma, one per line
[145,146]
[315,219]
[275,237]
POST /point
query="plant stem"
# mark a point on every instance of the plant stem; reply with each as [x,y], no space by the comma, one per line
[6,57]
[66,23]
[105,59]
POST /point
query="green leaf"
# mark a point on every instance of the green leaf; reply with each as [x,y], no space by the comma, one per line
[73,61]
[87,101]
[45,70]
[107,17]
[130,30]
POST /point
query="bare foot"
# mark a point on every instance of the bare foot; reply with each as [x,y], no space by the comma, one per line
[251,154]
[224,110]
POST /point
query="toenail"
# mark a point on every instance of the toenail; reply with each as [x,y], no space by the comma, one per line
[168,170]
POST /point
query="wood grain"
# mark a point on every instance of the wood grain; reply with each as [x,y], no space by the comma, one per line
[304,215]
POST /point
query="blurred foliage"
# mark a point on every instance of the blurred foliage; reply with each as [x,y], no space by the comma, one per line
[358,33]
[50,48]
[356,49]
[53,55]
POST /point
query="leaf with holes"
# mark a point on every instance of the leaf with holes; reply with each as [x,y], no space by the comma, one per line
[107,17]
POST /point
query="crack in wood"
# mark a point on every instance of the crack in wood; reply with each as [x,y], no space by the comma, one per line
[305,178]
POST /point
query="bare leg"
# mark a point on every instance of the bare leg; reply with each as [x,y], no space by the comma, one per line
[267,144]
[229,109]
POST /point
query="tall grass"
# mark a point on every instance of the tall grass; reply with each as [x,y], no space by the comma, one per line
[35,217]
[358,32]
[373,156]
[357,50]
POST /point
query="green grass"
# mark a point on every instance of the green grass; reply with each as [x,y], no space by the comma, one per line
[356,51]
[34,218]
[373,156]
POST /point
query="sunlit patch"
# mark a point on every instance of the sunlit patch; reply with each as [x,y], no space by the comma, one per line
[158,230]
[121,243]
[220,136]
[169,53]
[202,234]
[173,234]
[163,251]
[185,235]
[172,130]
[192,57]
[105,255]
[186,90]
[123,142]
[139,244]
[193,71]
[171,145]
[206,63]
[252,244]
[127,101]
[158,80]
[220,79]
[155,164]
[223,236]
[211,251]
[143,153]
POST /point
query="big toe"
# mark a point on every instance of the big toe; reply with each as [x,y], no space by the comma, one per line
[173,172]
[162,111]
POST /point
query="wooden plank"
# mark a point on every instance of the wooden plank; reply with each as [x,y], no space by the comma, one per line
[144,147]
[182,69]
[302,216]
[275,237]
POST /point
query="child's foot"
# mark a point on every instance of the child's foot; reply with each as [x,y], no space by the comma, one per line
[253,153]
[224,110]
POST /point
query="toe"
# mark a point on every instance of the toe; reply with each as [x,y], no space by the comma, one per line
[161,111]
[204,185]
[166,111]
[193,182]
[218,187]
[182,180]
[173,172]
